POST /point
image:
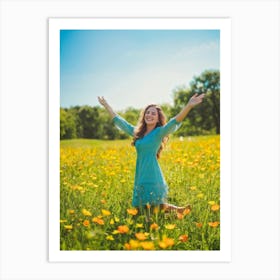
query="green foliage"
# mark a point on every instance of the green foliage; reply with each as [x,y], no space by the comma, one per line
[67,124]
[205,118]
[95,123]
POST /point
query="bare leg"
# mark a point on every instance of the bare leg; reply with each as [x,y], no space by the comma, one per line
[170,207]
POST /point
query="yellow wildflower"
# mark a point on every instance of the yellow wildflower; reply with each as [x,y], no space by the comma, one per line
[139,225]
[123,229]
[213,224]
[170,226]
[132,211]
[69,227]
[180,216]
[156,210]
[86,212]
[168,241]
[162,245]
[140,236]
[199,225]
[183,238]
[147,245]
[98,220]
[134,244]
[127,246]
[215,207]
[154,226]
[110,237]
[106,212]
[211,202]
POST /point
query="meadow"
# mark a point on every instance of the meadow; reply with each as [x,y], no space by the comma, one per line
[96,184]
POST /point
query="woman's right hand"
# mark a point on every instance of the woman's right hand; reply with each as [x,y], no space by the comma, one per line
[102,101]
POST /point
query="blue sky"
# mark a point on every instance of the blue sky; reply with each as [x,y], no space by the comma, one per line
[132,67]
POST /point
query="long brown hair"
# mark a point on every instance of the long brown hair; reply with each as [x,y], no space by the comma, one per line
[141,127]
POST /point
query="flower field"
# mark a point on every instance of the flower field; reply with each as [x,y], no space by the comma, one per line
[96,184]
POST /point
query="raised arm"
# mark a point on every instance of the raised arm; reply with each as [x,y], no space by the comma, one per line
[194,100]
[109,109]
[120,123]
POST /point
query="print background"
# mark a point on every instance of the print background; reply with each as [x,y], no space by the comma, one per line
[255,160]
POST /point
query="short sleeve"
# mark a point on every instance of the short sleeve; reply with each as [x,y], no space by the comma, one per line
[169,127]
[123,125]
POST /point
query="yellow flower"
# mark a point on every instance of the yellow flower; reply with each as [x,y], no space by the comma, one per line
[63,221]
[134,244]
[86,223]
[193,188]
[162,245]
[199,225]
[110,237]
[187,211]
[169,242]
[140,236]
[156,210]
[132,211]
[180,216]
[117,219]
[212,202]
[147,245]
[139,225]
[154,226]
[127,246]
[183,238]
[112,221]
[213,224]
[98,220]
[86,212]
[71,211]
[106,212]
[68,227]
[215,207]
[170,226]
[123,229]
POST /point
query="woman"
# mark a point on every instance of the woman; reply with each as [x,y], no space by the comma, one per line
[149,137]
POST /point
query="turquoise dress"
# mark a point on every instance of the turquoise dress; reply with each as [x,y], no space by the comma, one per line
[149,184]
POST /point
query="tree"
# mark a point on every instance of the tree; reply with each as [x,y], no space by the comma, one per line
[208,82]
[89,122]
[205,118]
[67,124]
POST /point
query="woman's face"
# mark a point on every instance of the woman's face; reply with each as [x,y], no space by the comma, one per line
[151,116]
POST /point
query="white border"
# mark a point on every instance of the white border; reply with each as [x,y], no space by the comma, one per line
[55,25]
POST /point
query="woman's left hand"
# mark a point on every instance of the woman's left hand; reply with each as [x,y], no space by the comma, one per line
[196,99]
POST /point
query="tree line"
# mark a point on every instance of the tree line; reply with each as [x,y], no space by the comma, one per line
[95,123]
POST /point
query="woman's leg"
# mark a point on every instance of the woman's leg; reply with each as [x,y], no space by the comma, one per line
[170,207]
